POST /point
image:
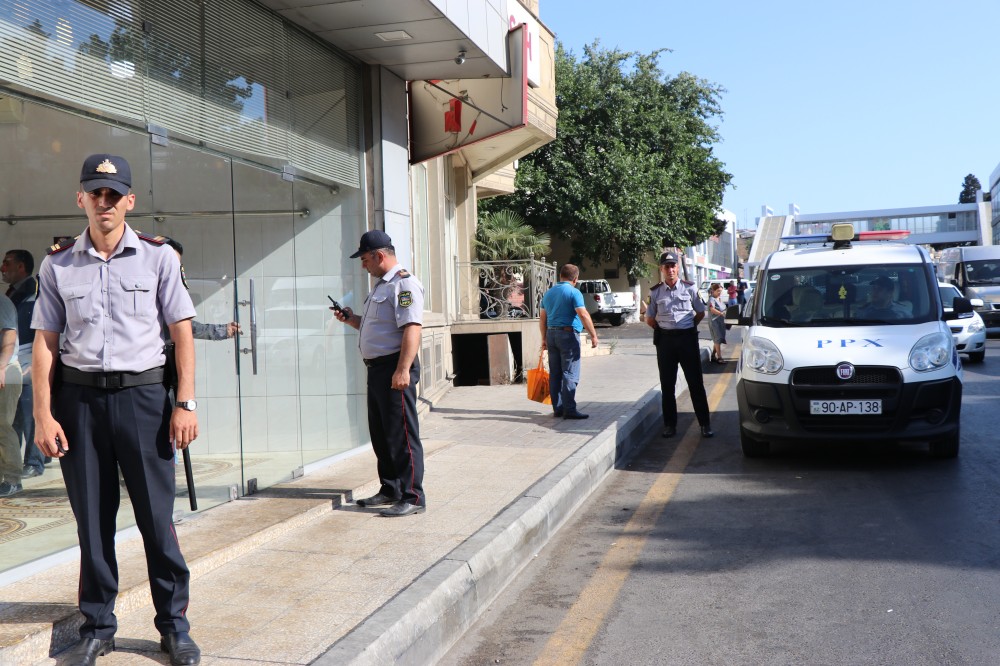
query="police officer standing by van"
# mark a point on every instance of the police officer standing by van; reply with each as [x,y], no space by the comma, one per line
[390,327]
[673,313]
[100,402]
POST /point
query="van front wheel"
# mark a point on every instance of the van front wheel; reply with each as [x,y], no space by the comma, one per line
[753,448]
[947,447]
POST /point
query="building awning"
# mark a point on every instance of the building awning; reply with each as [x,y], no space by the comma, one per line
[415,39]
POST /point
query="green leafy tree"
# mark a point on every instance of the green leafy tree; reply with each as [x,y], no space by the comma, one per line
[632,168]
[503,235]
[969,187]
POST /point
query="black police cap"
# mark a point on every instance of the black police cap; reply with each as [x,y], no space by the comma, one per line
[103,170]
[668,258]
[376,239]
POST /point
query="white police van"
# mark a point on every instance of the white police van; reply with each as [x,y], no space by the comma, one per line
[846,340]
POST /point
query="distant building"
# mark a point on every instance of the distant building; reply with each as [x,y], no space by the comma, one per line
[995,205]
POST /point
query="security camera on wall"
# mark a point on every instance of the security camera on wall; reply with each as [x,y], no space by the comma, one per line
[460,58]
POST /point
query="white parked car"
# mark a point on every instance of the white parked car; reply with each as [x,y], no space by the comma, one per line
[969,330]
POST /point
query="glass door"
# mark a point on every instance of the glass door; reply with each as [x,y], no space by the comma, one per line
[331,376]
[268,363]
[192,203]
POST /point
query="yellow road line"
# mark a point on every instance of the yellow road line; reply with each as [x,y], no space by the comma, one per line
[583,620]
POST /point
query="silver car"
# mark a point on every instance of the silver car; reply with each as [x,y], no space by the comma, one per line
[969,331]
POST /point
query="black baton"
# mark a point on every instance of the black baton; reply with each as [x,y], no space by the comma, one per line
[189,475]
[171,380]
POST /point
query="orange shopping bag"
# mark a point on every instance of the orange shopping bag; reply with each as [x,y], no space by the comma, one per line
[538,384]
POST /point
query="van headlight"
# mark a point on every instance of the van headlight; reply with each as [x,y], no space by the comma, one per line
[761,355]
[977,326]
[931,352]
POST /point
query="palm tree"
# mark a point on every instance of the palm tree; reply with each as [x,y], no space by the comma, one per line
[503,235]
[505,238]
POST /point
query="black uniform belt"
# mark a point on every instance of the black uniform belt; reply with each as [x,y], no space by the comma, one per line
[381,360]
[111,380]
[673,332]
[562,328]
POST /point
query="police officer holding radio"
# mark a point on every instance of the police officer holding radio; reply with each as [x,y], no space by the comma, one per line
[390,329]
[673,313]
[100,402]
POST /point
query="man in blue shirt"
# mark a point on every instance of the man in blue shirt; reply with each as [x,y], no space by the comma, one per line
[562,317]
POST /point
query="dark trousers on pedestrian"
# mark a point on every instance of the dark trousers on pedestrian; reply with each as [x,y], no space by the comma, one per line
[24,426]
[395,432]
[127,429]
[675,348]
[564,368]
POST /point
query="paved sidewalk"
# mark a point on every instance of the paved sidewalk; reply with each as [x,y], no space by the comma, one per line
[298,574]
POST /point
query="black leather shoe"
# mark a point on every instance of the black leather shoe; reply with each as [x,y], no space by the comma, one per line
[576,416]
[558,415]
[86,651]
[402,509]
[181,648]
[706,431]
[378,499]
[669,432]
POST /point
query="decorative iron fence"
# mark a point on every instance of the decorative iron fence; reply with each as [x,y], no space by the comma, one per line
[510,289]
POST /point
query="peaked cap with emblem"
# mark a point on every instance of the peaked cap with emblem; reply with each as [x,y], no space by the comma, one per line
[103,170]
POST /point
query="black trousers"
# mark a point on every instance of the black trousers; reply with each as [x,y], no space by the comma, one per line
[675,348]
[392,421]
[127,429]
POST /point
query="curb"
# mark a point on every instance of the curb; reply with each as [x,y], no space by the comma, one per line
[420,624]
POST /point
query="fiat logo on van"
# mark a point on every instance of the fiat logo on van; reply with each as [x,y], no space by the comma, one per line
[845,371]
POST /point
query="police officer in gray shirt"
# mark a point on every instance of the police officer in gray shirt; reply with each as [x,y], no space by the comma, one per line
[102,404]
[673,313]
[390,326]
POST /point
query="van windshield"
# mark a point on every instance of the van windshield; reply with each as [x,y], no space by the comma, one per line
[983,271]
[847,295]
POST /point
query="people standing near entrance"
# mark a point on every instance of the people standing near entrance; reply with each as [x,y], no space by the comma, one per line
[198,329]
[16,270]
[716,321]
[101,403]
[562,318]
[741,293]
[391,327]
[674,313]
[10,391]
[733,293]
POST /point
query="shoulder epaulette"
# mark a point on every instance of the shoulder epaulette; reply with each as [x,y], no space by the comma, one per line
[155,240]
[686,283]
[403,273]
[62,245]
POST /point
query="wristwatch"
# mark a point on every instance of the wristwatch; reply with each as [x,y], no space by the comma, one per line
[189,405]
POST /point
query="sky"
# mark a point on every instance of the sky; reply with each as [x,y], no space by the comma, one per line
[845,106]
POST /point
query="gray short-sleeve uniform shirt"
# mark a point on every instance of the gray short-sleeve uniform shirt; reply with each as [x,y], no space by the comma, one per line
[396,300]
[674,308]
[8,319]
[112,313]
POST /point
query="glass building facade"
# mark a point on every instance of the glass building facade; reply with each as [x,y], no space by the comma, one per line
[245,138]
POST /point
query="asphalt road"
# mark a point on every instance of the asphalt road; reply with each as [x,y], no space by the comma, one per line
[819,555]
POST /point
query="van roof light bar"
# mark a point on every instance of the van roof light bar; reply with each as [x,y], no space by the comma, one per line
[841,235]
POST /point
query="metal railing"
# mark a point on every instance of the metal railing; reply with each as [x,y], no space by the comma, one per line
[511,289]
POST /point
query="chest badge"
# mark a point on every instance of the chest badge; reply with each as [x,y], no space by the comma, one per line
[405,299]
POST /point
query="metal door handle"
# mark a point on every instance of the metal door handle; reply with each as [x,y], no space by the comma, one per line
[252,349]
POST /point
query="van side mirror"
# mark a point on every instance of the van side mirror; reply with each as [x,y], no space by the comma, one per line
[959,307]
